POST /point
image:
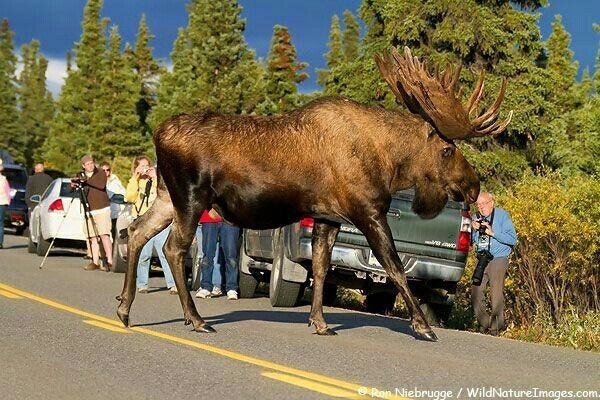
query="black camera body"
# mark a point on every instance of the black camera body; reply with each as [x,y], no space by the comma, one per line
[483,259]
[79,180]
[481,228]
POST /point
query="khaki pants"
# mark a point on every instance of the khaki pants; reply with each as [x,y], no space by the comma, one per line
[494,275]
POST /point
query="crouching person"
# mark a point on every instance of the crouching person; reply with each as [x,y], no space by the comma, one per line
[141,191]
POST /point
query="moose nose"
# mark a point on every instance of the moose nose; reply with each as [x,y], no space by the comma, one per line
[472,193]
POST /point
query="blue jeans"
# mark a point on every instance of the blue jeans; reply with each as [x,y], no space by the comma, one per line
[229,237]
[217,276]
[143,268]
[2,211]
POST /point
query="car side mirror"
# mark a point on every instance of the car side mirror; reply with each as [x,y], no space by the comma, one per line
[118,199]
[36,198]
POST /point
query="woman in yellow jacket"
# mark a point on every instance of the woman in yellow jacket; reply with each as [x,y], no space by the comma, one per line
[141,191]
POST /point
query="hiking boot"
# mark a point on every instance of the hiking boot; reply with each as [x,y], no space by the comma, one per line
[203,294]
[232,295]
[216,292]
[91,267]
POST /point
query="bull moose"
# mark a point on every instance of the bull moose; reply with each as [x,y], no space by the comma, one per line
[333,159]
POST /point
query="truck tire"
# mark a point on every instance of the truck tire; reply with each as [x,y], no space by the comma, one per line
[248,282]
[436,315]
[380,302]
[329,294]
[42,245]
[31,246]
[282,293]
[119,263]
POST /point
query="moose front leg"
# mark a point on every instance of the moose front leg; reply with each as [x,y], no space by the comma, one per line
[175,249]
[324,234]
[379,236]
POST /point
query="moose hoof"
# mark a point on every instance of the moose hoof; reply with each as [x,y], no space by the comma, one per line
[426,336]
[326,332]
[119,298]
[205,328]
[124,318]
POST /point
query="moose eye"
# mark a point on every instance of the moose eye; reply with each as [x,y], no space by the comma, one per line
[448,151]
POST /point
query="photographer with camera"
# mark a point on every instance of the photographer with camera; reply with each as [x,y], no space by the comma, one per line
[494,236]
[96,204]
[141,191]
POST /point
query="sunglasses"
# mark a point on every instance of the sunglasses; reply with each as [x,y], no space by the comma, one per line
[106,170]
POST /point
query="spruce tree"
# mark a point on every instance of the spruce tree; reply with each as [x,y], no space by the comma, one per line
[216,69]
[115,119]
[9,130]
[560,63]
[351,37]
[147,71]
[283,71]
[35,101]
[72,132]
[335,56]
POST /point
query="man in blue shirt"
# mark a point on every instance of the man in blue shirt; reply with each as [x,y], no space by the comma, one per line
[499,239]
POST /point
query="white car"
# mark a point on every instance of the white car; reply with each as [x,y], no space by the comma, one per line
[57,204]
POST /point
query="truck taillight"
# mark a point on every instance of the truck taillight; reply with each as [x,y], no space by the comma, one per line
[56,205]
[464,236]
[307,222]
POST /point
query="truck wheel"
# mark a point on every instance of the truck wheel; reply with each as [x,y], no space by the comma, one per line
[436,314]
[380,302]
[119,262]
[196,270]
[248,282]
[329,294]
[42,245]
[31,246]
[282,293]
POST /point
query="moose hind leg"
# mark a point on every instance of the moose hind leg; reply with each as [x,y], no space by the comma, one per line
[140,231]
[324,234]
[380,239]
[175,249]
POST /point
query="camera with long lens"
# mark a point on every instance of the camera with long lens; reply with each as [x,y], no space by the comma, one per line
[482,228]
[483,259]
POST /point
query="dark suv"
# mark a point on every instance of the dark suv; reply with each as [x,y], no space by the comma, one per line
[16,215]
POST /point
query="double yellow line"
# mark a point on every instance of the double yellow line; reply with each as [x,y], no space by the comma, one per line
[304,379]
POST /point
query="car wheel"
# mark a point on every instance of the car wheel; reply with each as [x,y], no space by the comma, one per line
[248,282]
[42,244]
[196,270]
[282,293]
[31,246]
[119,262]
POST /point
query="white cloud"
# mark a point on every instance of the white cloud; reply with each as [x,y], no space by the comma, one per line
[56,74]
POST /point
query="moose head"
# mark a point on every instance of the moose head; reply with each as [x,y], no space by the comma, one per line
[440,169]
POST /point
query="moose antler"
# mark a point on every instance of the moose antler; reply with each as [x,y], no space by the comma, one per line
[437,98]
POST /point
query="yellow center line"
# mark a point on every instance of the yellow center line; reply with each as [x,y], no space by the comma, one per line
[314,386]
[216,350]
[9,295]
[107,326]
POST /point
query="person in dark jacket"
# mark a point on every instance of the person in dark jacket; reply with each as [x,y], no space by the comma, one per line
[36,184]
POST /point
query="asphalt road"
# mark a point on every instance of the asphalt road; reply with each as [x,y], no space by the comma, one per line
[60,339]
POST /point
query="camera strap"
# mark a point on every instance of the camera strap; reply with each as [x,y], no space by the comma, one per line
[145,197]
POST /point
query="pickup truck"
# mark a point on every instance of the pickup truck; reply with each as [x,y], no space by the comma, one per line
[434,254]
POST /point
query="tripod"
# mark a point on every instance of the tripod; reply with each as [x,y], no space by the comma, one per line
[88,217]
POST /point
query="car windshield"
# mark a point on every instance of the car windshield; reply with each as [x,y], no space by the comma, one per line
[65,190]
[17,178]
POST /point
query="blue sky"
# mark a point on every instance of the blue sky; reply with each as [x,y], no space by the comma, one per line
[56,23]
